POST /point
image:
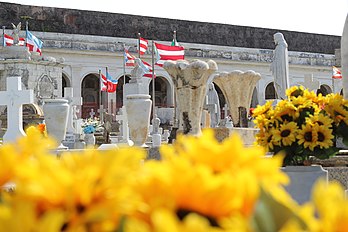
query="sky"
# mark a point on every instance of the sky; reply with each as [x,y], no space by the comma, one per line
[313,16]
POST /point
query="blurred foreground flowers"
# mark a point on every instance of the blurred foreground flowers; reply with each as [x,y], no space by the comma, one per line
[199,185]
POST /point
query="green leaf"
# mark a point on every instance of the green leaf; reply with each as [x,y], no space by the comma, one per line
[270,215]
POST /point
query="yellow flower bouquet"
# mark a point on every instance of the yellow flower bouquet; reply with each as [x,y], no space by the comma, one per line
[303,125]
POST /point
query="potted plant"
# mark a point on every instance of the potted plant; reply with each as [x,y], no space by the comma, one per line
[302,126]
[89,127]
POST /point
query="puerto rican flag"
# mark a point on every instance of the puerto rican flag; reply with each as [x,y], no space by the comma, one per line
[103,83]
[8,41]
[336,73]
[111,83]
[143,46]
[165,52]
[33,43]
[129,60]
[148,69]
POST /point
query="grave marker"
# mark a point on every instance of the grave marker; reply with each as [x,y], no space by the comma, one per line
[14,97]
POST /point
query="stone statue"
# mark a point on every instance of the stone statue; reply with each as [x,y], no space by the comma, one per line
[155,125]
[15,33]
[213,105]
[280,66]
[138,71]
[344,58]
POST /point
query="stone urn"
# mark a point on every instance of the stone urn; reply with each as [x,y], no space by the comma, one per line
[190,81]
[90,139]
[237,87]
[56,119]
[138,108]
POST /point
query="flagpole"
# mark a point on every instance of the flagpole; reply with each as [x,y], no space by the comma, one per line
[333,83]
[100,93]
[26,31]
[124,71]
[3,38]
[153,80]
[139,45]
[107,93]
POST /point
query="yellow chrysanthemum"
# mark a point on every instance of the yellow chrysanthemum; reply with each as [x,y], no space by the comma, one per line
[286,134]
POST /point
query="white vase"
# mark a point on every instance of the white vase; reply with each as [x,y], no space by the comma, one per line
[90,139]
[302,179]
[56,119]
[138,108]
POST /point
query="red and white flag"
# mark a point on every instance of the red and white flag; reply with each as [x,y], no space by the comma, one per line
[8,41]
[128,58]
[165,52]
[336,73]
[148,70]
[33,43]
[143,46]
[103,82]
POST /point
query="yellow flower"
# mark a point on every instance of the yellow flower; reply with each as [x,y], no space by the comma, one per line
[320,119]
[307,136]
[333,208]
[259,110]
[286,134]
[324,137]
[294,91]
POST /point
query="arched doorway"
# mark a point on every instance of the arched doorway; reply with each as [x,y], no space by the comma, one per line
[119,91]
[324,90]
[161,92]
[254,100]
[222,101]
[270,92]
[90,95]
[65,83]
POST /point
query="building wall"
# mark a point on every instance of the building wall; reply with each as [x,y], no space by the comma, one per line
[70,21]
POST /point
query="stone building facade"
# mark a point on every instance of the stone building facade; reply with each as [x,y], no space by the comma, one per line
[92,41]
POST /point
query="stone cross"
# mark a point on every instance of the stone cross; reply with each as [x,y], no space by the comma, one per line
[101,112]
[123,117]
[72,101]
[309,83]
[14,97]
[91,113]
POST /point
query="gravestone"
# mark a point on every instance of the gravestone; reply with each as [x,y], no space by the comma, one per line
[156,136]
[14,97]
[309,83]
[125,130]
[71,137]
[72,101]
[91,113]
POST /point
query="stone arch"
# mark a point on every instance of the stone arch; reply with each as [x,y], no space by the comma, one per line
[222,100]
[270,92]
[66,82]
[324,90]
[90,91]
[254,100]
[162,92]
[119,90]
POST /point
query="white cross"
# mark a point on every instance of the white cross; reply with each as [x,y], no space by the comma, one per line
[72,101]
[92,113]
[14,97]
[123,117]
[309,83]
